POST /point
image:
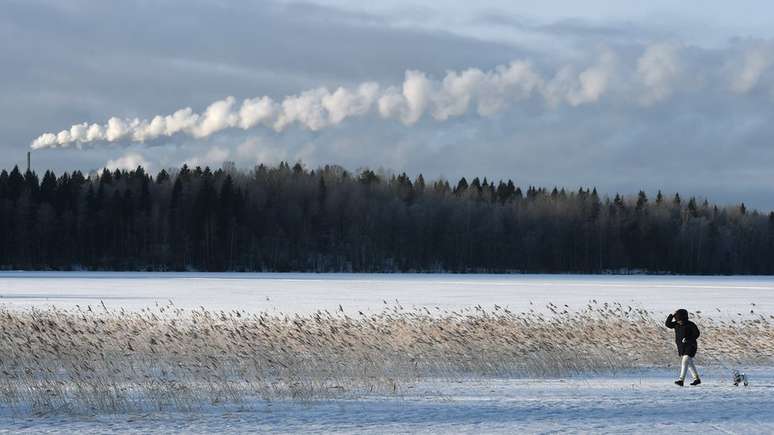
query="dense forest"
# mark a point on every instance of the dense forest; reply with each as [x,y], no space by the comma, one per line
[287,218]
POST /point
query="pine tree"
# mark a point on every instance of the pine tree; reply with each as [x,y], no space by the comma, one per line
[322,192]
[642,201]
[462,186]
[3,184]
[31,184]
[15,184]
[162,177]
[226,221]
[476,184]
[48,188]
[618,202]
[368,177]
[419,184]
[693,211]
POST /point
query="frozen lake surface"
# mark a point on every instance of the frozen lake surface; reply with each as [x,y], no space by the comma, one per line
[646,403]
[298,292]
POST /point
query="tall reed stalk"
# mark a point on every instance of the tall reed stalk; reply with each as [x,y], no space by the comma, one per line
[98,360]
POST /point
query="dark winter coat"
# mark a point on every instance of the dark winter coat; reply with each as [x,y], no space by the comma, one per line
[685,336]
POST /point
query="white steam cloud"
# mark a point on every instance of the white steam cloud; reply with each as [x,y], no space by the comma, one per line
[658,69]
[486,92]
[747,73]
[128,161]
[319,108]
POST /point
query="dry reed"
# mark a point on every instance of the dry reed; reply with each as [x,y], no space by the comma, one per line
[98,360]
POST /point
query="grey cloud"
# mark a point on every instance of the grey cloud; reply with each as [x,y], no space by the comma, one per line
[132,59]
[81,61]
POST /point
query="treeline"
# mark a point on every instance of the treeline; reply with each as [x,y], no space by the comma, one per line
[287,218]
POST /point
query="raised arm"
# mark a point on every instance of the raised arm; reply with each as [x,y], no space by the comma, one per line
[670,322]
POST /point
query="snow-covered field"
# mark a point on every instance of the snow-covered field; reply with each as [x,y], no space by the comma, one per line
[644,401]
[305,293]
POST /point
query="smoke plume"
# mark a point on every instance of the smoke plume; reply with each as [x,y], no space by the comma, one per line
[456,94]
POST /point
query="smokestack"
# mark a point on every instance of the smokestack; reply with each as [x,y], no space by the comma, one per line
[28,161]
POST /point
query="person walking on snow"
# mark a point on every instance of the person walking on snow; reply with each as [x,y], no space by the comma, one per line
[686,333]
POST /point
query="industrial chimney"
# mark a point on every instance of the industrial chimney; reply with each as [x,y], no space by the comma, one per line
[28,161]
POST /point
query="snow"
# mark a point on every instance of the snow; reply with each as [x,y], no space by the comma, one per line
[631,403]
[305,293]
[641,402]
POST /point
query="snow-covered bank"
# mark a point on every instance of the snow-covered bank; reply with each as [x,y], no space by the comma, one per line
[641,401]
[633,403]
[304,293]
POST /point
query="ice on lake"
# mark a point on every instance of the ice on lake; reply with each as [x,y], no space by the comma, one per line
[628,403]
[306,292]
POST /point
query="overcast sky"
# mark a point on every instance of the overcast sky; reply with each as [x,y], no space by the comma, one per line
[661,95]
